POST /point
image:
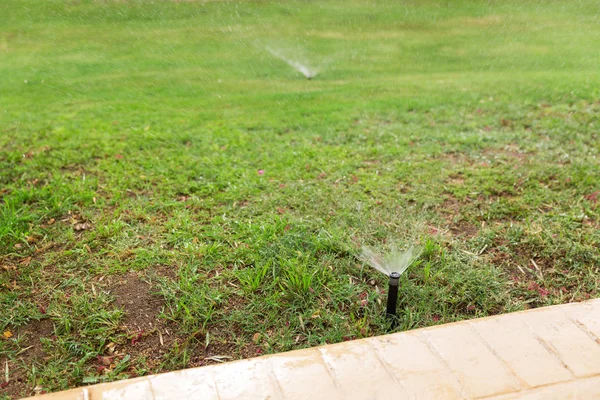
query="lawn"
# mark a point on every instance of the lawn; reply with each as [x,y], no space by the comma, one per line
[174,195]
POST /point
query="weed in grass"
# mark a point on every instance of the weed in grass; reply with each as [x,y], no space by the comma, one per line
[253,278]
[297,278]
[190,302]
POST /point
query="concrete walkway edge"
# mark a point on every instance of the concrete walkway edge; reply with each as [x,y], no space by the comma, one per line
[546,353]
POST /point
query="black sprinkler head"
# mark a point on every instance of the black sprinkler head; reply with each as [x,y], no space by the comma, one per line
[392,299]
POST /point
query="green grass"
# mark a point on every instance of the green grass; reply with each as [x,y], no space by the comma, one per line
[132,133]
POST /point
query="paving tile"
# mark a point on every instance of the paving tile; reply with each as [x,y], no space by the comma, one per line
[587,316]
[72,394]
[135,391]
[572,345]
[419,371]
[480,371]
[303,375]
[186,384]
[517,346]
[245,379]
[580,389]
[360,373]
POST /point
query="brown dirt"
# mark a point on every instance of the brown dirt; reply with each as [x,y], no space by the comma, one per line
[140,305]
[525,266]
[154,338]
[223,341]
[519,255]
[223,344]
[31,351]
[450,209]
[455,158]
[464,229]
[510,152]
[17,385]
[226,338]
[33,332]
[147,335]
[451,206]
[456,180]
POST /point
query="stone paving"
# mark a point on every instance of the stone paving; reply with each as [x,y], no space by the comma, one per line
[546,353]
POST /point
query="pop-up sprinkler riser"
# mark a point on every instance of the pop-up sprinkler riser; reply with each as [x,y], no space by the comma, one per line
[392,300]
[393,266]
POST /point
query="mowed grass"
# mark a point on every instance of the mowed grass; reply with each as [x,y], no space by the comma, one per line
[172,195]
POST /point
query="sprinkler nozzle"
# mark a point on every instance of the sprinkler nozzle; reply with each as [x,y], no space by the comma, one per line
[392,299]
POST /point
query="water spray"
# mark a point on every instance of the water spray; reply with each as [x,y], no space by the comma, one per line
[302,67]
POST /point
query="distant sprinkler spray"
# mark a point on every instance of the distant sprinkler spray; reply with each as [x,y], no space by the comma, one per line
[307,71]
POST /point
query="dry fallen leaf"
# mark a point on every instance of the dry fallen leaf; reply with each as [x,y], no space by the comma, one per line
[256,337]
[25,261]
[111,347]
[44,247]
[592,197]
[104,360]
[82,226]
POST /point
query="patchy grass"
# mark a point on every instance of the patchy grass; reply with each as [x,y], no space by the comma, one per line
[171,195]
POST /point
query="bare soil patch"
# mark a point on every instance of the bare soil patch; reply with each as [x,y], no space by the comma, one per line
[140,304]
[450,211]
[464,229]
[31,351]
[32,333]
[147,334]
